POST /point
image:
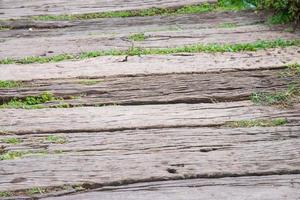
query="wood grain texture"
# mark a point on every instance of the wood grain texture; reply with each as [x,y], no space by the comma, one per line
[154,64]
[172,88]
[135,117]
[241,188]
[117,158]
[23,8]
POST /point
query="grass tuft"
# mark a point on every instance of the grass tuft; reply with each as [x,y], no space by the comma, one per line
[31,102]
[227,25]
[10,84]
[35,191]
[11,140]
[282,98]
[12,155]
[5,194]
[196,48]
[257,123]
[56,139]
[137,37]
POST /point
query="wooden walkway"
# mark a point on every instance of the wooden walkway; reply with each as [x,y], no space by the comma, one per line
[165,127]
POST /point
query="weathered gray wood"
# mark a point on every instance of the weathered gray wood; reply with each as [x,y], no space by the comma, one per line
[132,117]
[23,8]
[173,88]
[237,188]
[154,64]
[118,158]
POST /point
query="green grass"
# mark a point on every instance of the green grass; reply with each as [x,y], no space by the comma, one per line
[282,98]
[12,155]
[137,37]
[196,48]
[56,139]
[257,123]
[35,191]
[227,25]
[89,82]
[5,194]
[223,5]
[31,102]
[4,28]
[11,140]
[279,18]
[10,84]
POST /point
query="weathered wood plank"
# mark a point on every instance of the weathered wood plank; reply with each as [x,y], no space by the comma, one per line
[237,188]
[119,26]
[117,158]
[50,46]
[23,8]
[98,35]
[154,64]
[132,117]
[172,88]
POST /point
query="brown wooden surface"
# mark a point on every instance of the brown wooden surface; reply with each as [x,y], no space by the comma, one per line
[135,117]
[168,139]
[79,39]
[117,158]
[172,88]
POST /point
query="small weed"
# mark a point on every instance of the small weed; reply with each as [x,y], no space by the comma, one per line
[282,98]
[56,139]
[5,194]
[31,102]
[293,70]
[137,37]
[11,140]
[196,48]
[257,123]
[35,191]
[10,84]
[227,25]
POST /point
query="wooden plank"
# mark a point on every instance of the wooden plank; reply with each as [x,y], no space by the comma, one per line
[154,64]
[23,8]
[118,158]
[178,88]
[99,35]
[132,117]
[233,188]
[75,44]
[130,25]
